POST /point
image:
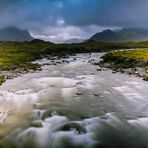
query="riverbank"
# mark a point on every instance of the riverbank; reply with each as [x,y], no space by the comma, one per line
[17,58]
[133,62]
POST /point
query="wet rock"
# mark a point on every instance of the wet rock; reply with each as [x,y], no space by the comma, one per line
[40,114]
[99,69]
[12,67]
[78,83]
[96,95]
[115,71]
[137,72]
[37,123]
[107,65]
[146,70]
[145,77]
[73,126]
[79,94]
[96,63]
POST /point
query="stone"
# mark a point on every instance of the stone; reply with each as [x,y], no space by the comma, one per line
[37,123]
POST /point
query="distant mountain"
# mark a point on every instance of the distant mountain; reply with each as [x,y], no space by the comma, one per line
[40,41]
[14,34]
[106,36]
[123,35]
[74,40]
[133,34]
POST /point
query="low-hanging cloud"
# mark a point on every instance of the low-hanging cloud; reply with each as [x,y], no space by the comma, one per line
[36,15]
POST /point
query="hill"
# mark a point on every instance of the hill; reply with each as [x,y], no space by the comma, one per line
[123,35]
[39,41]
[14,34]
[74,40]
[134,34]
[106,36]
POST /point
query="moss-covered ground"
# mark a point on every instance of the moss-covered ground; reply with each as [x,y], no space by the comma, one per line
[125,59]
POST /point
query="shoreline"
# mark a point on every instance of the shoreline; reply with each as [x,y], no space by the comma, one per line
[36,66]
[118,61]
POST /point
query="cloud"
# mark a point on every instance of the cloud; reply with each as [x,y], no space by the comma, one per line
[75,12]
[72,18]
[126,13]
[58,34]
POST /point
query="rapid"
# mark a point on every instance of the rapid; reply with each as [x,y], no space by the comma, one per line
[74,104]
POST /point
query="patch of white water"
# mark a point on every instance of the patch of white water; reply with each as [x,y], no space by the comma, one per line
[107,131]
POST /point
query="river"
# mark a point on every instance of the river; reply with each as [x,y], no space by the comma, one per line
[74,105]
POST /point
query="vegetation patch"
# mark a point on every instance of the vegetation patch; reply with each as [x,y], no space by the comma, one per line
[2,79]
[136,61]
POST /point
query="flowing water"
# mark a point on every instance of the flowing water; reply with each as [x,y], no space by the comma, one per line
[74,105]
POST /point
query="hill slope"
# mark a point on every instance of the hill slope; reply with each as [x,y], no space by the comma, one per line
[106,36]
[74,40]
[124,35]
[14,34]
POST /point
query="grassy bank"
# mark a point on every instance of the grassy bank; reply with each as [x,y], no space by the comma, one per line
[17,56]
[134,60]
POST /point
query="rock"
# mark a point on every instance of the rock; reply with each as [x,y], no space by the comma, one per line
[79,94]
[146,70]
[107,65]
[37,123]
[145,77]
[99,69]
[12,67]
[114,71]
[136,72]
[96,95]
[78,83]
[73,126]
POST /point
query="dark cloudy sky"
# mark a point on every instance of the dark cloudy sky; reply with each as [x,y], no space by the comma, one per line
[57,20]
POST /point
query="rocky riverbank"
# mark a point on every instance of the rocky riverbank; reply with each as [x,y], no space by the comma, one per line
[132,62]
[11,72]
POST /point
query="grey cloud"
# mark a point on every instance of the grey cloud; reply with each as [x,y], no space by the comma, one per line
[126,13]
[39,15]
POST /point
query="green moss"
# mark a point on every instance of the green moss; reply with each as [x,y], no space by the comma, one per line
[145,77]
[140,54]
[2,80]
[127,58]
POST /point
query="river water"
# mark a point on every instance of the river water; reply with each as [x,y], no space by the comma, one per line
[74,105]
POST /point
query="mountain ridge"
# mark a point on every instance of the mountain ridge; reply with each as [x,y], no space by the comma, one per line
[123,35]
[14,34]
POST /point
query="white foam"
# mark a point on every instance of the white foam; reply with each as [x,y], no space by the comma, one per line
[100,131]
[46,82]
[68,93]
[18,99]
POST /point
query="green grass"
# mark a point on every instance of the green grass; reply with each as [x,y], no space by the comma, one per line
[2,80]
[127,58]
[139,54]
[119,60]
